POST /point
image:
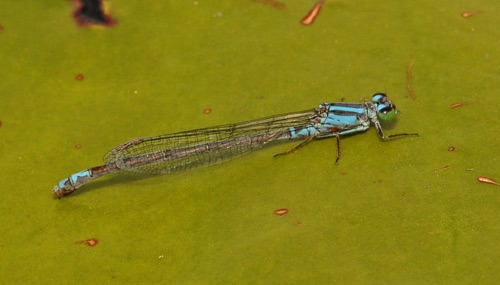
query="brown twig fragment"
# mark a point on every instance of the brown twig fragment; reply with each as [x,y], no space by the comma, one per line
[487,180]
[409,77]
[311,16]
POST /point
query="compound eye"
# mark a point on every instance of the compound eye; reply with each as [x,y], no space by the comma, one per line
[387,113]
[379,98]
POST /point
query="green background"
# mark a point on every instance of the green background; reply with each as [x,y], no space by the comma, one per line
[382,215]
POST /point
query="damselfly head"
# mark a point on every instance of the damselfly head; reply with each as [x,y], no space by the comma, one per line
[385,109]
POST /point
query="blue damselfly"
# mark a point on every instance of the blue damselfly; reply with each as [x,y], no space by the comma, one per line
[202,147]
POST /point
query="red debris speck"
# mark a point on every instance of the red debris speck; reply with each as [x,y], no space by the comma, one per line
[455,105]
[451,148]
[467,14]
[272,3]
[89,242]
[207,111]
[487,180]
[79,77]
[281,212]
[311,16]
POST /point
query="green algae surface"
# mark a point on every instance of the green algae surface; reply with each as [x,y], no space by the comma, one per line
[408,211]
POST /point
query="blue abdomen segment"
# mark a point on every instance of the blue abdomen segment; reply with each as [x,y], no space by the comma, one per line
[75,178]
[72,183]
[75,181]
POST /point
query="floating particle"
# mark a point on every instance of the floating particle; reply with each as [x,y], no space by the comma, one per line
[456,105]
[77,146]
[451,148]
[1,124]
[409,77]
[207,111]
[92,12]
[487,180]
[79,77]
[89,242]
[272,3]
[467,14]
[92,242]
[311,16]
[441,169]
[1,28]
[281,212]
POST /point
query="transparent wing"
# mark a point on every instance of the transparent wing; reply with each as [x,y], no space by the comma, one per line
[202,147]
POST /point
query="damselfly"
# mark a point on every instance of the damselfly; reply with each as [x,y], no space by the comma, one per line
[202,147]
